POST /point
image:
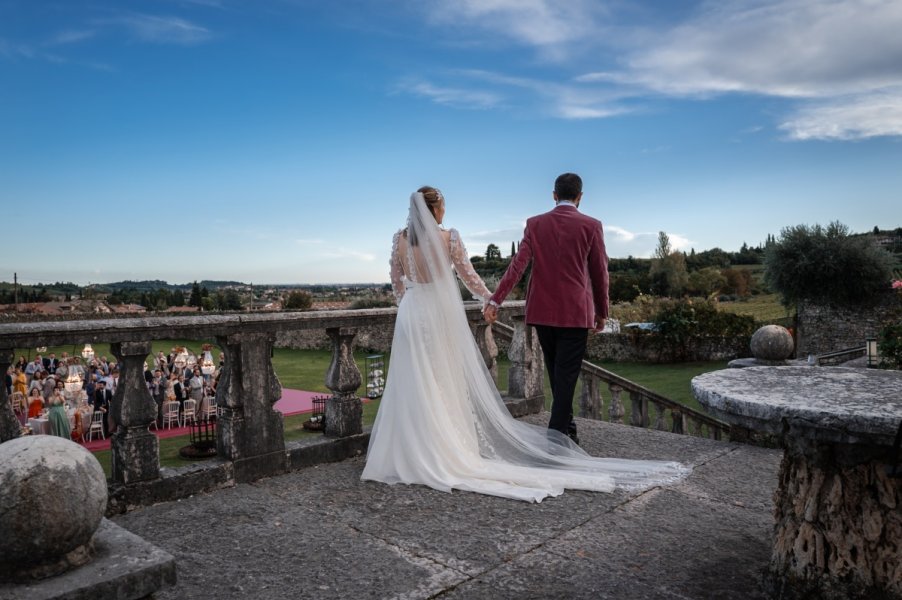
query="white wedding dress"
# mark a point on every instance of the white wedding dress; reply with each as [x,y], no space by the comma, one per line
[442,422]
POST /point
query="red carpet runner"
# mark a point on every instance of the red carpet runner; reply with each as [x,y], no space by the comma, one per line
[293,402]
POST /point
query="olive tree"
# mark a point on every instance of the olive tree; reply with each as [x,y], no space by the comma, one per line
[826,265]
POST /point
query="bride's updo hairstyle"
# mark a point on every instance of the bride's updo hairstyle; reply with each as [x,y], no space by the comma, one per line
[434,200]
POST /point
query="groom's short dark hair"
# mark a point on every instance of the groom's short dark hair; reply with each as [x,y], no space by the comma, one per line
[568,186]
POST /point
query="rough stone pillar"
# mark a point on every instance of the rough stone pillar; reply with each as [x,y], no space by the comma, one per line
[526,377]
[135,451]
[590,398]
[250,432]
[344,411]
[616,410]
[838,523]
[485,340]
[10,428]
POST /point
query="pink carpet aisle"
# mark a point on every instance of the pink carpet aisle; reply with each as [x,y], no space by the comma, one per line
[293,402]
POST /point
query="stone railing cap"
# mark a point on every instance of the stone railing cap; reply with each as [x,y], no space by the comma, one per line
[837,404]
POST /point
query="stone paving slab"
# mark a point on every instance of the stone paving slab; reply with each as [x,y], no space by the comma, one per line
[323,533]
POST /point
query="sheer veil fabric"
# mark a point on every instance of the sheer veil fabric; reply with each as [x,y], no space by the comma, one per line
[442,422]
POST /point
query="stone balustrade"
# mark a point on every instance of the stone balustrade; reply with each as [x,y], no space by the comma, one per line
[683,419]
[250,437]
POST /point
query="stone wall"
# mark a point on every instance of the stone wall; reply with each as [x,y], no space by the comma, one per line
[823,329]
[374,338]
[645,347]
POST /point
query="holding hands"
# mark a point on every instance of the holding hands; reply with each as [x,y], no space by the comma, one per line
[490,313]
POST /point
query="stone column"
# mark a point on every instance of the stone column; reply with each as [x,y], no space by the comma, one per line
[639,412]
[485,340]
[135,451]
[10,428]
[250,432]
[344,411]
[616,410]
[590,397]
[526,377]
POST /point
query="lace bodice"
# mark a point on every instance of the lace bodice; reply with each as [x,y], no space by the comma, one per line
[401,274]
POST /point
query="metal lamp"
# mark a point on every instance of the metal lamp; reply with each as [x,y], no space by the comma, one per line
[873,357]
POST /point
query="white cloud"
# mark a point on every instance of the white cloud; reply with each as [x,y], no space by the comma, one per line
[789,48]
[565,101]
[160,30]
[551,26]
[452,96]
[621,242]
[838,59]
[848,118]
[72,36]
[345,253]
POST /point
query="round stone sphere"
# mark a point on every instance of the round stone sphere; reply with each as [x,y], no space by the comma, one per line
[772,343]
[53,494]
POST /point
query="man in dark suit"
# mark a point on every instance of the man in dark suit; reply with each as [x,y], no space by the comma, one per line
[103,399]
[567,294]
[50,364]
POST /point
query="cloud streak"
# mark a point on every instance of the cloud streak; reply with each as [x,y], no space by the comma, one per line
[160,30]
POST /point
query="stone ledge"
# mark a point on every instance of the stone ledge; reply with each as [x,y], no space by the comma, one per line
[124,567]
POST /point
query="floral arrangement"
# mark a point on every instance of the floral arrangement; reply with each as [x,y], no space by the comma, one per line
[897,284]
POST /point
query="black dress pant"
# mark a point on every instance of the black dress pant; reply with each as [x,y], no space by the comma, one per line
[563,349]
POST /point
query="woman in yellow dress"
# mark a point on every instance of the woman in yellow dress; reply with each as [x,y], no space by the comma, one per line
[20,382]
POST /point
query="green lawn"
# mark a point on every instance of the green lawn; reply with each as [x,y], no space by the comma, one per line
[764,308]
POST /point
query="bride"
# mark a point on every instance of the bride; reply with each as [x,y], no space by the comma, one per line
[442,422]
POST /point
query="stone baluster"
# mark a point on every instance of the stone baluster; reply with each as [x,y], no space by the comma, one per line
[250,432]
[660,421]
[344,411]
[134,450]
[679,422]
[485,341]
[10,428]
[590,398]
[695,427]
[639,412]
[714,432]
[616,410]
[526,377]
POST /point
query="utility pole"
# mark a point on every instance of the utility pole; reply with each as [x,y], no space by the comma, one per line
[16,290]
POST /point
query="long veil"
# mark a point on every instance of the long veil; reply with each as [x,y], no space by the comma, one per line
[502,440]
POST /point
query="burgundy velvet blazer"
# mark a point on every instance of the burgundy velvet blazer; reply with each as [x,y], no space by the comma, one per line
[568,286]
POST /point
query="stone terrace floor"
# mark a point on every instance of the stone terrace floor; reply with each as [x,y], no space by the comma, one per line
[323,533]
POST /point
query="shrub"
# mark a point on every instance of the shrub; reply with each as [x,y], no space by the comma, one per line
[826,266]
[298,300]
[682,323]
[889,342]
[372,302]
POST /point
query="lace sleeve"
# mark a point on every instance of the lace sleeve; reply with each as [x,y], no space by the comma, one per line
[464,268]
[397,272]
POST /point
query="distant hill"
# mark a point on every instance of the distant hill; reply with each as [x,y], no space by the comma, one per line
[152,285]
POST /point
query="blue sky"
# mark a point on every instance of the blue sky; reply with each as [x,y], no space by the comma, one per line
[278,141]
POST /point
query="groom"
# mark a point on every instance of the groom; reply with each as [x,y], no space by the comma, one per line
[567,294]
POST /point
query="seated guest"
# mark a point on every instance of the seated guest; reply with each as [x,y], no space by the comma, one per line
[102,401]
